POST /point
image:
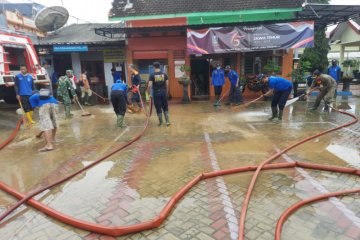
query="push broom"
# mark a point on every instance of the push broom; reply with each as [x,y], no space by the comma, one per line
[84,114]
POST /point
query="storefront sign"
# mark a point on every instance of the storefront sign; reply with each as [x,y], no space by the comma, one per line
[251,38]
[70,48]
[114,55]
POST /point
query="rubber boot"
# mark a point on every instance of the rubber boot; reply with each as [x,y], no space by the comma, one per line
[280,114]
[120,121]
[167,118]
[87,101]
[29,118]
[32,114]
[274,111]
[160,119]
[216,101]
[68,114]
[326,108]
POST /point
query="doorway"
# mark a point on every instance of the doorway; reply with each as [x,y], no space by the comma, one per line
[62,62]
[200,71]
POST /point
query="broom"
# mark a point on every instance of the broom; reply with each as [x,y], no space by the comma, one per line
[84,114]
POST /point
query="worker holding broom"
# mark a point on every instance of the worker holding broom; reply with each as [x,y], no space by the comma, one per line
[86,92]
[119,100]
[134,93]
[280,88]
[67,92]
[327,91]
[24,87]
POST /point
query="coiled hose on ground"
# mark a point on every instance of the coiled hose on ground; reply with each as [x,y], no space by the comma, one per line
[157,221]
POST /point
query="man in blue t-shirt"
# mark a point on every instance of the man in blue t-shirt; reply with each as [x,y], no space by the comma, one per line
[235,94]
[116,75]
[24,87]
[48,123]
[335,71]
[280,88]
[218,81]
[118,100]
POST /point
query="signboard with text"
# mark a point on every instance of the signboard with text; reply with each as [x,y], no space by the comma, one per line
[70,48]
[114,55]
[250,38]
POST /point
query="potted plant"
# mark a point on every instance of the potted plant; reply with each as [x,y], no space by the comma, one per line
[185,81]
[272,68]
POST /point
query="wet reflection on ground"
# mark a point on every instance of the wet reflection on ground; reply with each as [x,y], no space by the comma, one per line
[134,185]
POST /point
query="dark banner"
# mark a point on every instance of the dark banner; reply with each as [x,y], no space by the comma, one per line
[251,38]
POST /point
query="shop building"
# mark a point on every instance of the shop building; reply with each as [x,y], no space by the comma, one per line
[157,30]
[77,47]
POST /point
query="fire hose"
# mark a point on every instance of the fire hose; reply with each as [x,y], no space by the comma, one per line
[12,135]
[157,221]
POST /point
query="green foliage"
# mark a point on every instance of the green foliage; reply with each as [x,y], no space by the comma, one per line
[350,63]
[272,67]
[317,56]
[298,75]
[185,69]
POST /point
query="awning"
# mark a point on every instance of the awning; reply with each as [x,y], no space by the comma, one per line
[323,14]
[327,14]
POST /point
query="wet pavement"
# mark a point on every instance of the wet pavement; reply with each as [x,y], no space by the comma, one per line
[134,185]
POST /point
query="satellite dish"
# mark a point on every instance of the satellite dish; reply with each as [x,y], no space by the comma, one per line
[51,18]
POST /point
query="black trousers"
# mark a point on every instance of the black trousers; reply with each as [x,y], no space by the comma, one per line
[118,100]
[280,98]
[218,90]
[161,101]
[235,94]
[25,102]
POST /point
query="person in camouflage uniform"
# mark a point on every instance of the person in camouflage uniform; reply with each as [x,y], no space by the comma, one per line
[67,92]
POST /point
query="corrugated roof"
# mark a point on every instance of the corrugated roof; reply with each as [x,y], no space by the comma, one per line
[161,7]
[78,34]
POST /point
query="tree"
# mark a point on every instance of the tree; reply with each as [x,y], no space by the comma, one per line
[317,56]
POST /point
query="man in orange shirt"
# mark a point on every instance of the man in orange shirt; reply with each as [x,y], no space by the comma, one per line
[86,92]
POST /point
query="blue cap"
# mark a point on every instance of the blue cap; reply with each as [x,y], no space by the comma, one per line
[118,81]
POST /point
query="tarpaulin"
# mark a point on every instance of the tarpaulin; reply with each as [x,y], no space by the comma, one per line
[250,38]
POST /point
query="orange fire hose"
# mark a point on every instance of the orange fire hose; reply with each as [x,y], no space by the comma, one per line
[298,205]
[157,221]
[270,159]
[12,135]
[64,179]
[117,231]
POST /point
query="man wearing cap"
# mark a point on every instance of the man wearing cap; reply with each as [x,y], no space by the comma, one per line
[218,81]
[327,91]
[280,88]
[67,92]
[235,95]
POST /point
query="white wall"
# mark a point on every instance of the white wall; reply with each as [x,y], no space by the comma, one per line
[76,64]
[108,77]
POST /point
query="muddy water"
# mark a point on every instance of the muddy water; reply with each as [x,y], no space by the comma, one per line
[135,184]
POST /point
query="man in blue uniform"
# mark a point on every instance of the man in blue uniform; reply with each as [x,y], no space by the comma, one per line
[116,75]
[280,88]
[24,87]
[335,72]
[235,95]
[48,109]
[118,100]
[218,81]
[159,82]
